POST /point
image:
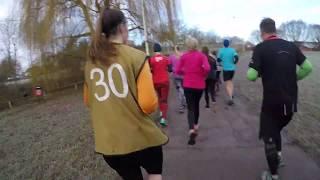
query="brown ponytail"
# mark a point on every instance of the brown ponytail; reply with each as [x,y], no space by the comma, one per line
[101,49]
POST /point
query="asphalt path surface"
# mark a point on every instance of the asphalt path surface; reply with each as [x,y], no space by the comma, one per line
[227,147]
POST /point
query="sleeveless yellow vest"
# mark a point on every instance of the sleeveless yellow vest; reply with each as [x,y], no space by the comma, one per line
[120,126]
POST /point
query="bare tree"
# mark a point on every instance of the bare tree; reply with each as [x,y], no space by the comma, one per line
[294,31]
[255,37]
[236,40]
[314,31]
[9,35]
[44,20]
[9,43]
[209,39]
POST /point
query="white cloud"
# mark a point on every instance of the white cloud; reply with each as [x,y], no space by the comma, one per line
[6,7]
[3,12]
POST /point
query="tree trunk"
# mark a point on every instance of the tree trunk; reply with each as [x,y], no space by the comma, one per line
[107,4]
[86,16]
[170,20]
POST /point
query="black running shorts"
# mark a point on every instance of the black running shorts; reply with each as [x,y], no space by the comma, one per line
[128,166]
[271,123]
[228,75]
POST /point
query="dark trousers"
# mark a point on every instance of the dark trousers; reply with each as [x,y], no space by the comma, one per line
[271,125]
[210,89]
[193,97]
[162,90]
[129,166]
[218,77]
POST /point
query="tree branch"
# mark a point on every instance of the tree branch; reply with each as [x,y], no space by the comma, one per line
[75,36]
[107,4]
[86,15]
[133,21]
[96,11]
[98,5]
[138,27]
[132,13]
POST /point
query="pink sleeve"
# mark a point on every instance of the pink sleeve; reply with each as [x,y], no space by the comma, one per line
[175,66]
[169,60]
[180,64]
[205,65]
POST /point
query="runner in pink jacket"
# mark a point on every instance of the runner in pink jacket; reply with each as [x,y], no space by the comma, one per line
[194,66]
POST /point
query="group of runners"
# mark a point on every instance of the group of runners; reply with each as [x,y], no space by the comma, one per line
[123,87]
[194,72]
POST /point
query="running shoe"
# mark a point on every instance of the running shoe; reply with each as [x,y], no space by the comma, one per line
[266,175]
[163,122]
[230,102]
[192,138]
[281,163]
[214,101]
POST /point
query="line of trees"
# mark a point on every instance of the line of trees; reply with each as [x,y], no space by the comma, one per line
[9,64]
[52,30]
[45,22]
[295,31]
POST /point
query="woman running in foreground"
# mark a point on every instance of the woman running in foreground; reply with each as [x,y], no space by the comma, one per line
[119,92]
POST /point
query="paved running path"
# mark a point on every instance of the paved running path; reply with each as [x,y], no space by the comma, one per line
[227,147]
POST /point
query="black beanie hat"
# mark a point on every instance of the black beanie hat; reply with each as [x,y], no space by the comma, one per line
[157,47]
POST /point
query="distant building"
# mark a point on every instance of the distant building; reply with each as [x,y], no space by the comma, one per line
[249,46]
[17,80]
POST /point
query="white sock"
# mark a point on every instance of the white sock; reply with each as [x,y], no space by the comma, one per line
[279,153]
[275,177]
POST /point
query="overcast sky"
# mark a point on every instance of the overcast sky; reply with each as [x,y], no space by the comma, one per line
[5,7]
[241,17]
[233,17]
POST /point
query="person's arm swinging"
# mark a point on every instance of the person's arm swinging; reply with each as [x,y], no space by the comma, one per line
[304,70]
[86,95]
[147,98]
[254,66]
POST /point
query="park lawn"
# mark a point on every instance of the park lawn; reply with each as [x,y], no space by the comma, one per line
[51,140]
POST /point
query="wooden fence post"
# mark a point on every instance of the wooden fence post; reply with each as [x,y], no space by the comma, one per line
[10,104]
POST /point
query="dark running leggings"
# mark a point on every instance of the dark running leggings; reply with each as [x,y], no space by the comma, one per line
[218,76]
[210,89]
[193,97]
[271,125]
[129,166]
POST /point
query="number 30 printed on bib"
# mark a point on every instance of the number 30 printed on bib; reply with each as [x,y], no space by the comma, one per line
[109,87]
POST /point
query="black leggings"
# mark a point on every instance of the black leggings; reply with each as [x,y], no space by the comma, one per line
[193,97]
[128,166]
[210,89]
[271,125]
[218,76]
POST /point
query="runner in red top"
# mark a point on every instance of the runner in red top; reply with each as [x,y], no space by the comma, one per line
[160,66]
